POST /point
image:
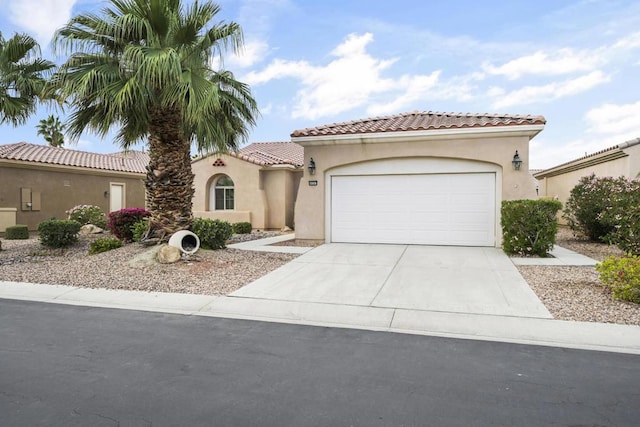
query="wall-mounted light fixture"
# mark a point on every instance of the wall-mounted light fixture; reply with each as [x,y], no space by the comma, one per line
[312,166]
[516,161]
[106,194]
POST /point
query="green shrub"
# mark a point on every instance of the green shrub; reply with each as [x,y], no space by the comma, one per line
[623,216]
[622,276]
[139,229]
[121,222]
[88,214]
[55,233]
[241,227]
[588,200]
[17,232]
[213,233]
[529,226]
[104,244]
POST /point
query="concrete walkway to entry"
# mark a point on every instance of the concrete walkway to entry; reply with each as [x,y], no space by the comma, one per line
[471,280]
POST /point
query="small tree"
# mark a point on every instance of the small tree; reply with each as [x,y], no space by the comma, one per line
[51,129]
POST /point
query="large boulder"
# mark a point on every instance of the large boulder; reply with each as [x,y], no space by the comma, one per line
[90,229]
[168,254]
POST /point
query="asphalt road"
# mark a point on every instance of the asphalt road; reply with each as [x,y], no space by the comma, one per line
[77,366]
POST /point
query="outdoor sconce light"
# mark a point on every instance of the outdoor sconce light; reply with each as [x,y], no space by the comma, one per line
[106,194]
[516,161]
[312,166]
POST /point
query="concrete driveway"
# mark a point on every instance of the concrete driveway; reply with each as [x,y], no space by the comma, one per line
[431,278]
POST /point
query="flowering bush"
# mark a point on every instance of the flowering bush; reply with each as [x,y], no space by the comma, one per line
[588,200]
[88,214]
[121,222]
[622,276]
[623,216]
[529,226]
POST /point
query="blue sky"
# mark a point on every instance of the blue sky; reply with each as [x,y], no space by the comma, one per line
[316,62]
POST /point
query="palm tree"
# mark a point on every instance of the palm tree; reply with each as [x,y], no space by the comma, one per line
[51,129]
[21,78]
[144,67]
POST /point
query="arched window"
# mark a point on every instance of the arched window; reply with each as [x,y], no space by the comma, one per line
[221,195]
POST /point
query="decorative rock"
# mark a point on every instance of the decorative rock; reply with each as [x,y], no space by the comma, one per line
[286,229]
[168,254]
[91,229]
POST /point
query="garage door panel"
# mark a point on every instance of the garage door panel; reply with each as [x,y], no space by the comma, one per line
[438,209]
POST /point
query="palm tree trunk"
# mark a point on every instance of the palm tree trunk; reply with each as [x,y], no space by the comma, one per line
[169,180]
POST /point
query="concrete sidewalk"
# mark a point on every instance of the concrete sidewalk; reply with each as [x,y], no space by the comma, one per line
[381,311]
[524,330]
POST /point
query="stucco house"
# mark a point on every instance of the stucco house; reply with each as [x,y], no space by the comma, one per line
[415,178]
[256,184]
[620,160]
[39,182]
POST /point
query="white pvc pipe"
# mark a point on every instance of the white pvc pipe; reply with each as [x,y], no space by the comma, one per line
[186,241]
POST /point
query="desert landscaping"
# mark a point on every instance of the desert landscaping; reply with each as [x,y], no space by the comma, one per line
[569,293]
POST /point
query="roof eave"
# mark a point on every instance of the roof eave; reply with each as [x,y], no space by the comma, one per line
[575,165]
[432,134]
[30,164]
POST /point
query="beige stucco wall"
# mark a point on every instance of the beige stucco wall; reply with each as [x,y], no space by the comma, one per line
[264,196]
[634,161]
[559,186]
[7,218]
[497,150]
[61,188]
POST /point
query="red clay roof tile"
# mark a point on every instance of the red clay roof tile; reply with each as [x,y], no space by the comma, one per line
[130,161]
[419,120]
[272,153]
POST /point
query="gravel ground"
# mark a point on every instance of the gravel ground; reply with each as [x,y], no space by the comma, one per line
[132,267]
[569,293]
[576,293]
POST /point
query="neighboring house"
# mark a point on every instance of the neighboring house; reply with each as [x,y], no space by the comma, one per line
[619,160]
[257,184]
[415,178]
[41,182]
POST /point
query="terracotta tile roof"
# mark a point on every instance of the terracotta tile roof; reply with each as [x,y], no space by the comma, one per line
[130,161]
[420,120]
[272,153]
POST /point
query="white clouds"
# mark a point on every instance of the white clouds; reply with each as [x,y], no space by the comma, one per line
[413,88]
[252,52]
[354,78]
[623,119]
[631,41]
[278,69]
[545,153]
[348,81]
[550,91]
[40,18]
[564,61]
[608,125]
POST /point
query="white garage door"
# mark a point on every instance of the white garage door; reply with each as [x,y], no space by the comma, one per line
[430,209]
